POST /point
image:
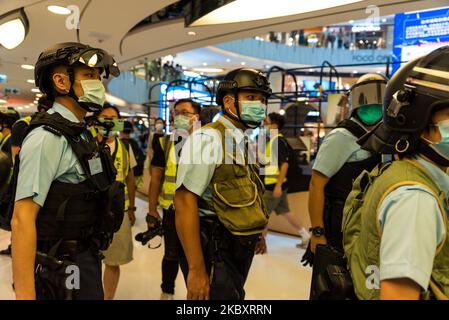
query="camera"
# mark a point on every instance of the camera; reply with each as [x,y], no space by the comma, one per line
[152,232]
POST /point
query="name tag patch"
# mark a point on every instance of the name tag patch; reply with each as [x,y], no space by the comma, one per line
[95,166]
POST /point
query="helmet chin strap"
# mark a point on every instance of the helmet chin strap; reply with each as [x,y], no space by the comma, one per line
[430,153]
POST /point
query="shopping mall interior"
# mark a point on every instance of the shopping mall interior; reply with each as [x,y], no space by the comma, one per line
[312,53]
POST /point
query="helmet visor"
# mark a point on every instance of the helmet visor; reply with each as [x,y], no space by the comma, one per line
[367,93]
[97,58]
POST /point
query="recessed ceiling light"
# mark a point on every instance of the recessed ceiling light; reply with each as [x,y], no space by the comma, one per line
[30,81]
[20,108]
[39,95]
[243,63]
[27,107]
[191,33]
[228,60]
[208,70]
[35,90]
[27,66]
[351,21]
[205,64]
[59,10]
[355,71]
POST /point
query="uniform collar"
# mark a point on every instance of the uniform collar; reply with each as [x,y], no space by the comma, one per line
[237,133]
[63,111]
[440,177]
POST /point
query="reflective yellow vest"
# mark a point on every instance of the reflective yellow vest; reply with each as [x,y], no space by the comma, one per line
[271,168]
[121,163]
[167,194]
[5,139]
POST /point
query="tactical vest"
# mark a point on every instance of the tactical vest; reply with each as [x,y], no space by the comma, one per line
[362,231]
[339,186]
[271,167]
[121,164]
[167,194]
[236,193]
[77,211]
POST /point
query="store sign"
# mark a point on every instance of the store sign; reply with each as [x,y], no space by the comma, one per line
[370,57]
[366,28]
[417,34]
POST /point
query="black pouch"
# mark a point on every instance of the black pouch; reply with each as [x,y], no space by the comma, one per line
[51,278]
[331,279]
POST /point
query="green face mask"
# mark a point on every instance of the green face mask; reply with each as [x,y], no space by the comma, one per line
[370,114]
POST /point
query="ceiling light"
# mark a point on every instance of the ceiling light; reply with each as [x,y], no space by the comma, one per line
[30,81]
[35,90]
[27,107]
[351,21]
[191,33]
[125,114]
[355,71]
[20,108]
[59,10]
[39,95]
[200,13]
[13,28]
[228,60]
[27,66]
[242,63]
[205,64]
[2,101]
[282,112]
[208,70]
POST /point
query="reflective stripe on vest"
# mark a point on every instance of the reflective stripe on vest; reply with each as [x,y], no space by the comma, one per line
[167,194]
[121,163]
[27,120]
[5,139]
[271,168]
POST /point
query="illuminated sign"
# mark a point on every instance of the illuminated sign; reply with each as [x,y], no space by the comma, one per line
[417,34]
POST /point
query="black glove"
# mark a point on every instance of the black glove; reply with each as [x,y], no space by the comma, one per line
[307,258]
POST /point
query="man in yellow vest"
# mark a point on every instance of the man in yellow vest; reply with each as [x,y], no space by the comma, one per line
[8,116]
[395,221]
[163,187]
[18,133]
[275,176]
[220,212]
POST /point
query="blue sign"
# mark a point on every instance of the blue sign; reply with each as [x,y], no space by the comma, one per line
[417,34]
[3,78]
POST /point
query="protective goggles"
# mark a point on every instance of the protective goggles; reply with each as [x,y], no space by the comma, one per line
[96,58]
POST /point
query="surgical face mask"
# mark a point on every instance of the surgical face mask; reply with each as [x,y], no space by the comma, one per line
[94,92]
[159,127]
[182,122]
[370,114]
[106,134]
[254,111]
[442,147]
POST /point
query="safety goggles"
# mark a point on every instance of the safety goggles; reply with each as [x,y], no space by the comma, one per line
[96,58]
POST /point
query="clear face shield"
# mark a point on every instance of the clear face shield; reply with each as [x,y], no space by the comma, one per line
[366,93]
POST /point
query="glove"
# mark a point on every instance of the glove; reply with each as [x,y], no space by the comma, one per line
[307,258]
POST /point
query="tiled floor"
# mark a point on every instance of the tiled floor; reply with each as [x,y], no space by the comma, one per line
[276,275]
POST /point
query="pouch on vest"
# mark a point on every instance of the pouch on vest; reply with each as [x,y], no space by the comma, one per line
[237,203]
[353,206]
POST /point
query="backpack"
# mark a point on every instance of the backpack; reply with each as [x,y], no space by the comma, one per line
[294,170]
[138,154]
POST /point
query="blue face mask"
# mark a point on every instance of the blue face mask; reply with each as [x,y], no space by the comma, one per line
[254,111]
[442,147]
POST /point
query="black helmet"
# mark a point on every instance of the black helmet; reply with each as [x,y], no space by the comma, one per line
[243,79]
[8,116]
[69,54]
[240,80]
[413,94]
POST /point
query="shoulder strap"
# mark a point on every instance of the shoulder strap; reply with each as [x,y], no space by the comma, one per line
[352,127]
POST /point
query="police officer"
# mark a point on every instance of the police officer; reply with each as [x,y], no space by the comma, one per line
[163,187]
[64,182]
[398,225]
[220,212]
[340,160]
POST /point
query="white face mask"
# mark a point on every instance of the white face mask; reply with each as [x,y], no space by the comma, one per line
[94,92]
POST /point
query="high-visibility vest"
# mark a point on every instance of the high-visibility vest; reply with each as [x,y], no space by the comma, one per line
[167,194]
[5,139]
[271,167]
[121,163]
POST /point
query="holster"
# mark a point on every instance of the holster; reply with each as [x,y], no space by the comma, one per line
[331,279]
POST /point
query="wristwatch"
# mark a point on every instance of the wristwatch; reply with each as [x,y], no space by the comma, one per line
[317,231]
